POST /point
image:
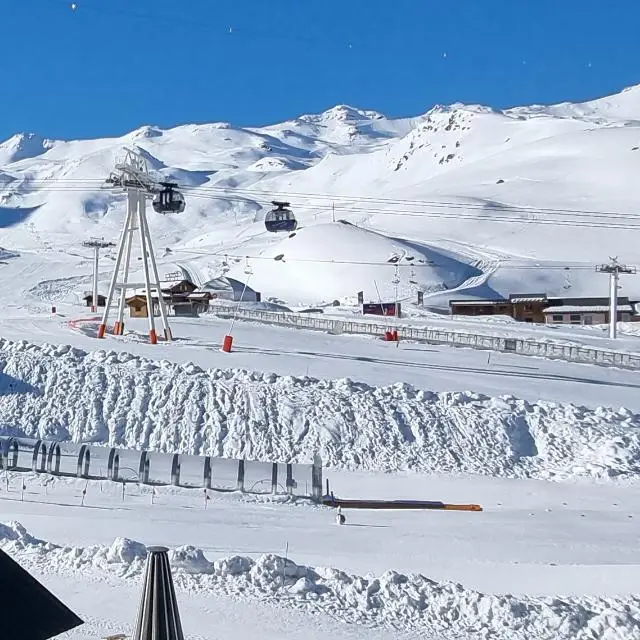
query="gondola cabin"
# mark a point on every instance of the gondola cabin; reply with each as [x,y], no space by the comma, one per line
[168,200]
[280,219]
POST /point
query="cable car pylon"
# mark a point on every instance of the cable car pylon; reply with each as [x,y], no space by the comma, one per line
[132,177]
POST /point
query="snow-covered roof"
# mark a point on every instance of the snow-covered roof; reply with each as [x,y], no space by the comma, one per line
[478,303]
[168,284]
[591,309]
[521,299]
[225,284]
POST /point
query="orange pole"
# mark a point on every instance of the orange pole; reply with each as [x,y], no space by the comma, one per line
[153,338]
[101,329]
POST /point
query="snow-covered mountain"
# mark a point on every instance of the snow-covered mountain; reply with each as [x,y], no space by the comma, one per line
[469,200]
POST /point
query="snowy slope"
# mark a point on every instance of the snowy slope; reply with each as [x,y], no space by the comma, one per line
[469,182]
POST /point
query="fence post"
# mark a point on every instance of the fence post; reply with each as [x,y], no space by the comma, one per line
[316,478]
[143,469]
[240,484]
[207,472]
[290,482]
[274,478]
[175,470]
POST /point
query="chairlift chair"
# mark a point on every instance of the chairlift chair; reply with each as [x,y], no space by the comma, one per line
[280,219]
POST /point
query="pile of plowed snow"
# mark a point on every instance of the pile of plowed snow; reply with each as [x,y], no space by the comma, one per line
[63,393]
[406,602]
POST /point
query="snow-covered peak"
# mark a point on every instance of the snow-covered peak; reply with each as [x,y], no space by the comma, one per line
[22,146]
[622,106]
[146,132]
[342,113]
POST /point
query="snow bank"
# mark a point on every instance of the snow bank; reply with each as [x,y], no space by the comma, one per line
[63,393]
[407,602]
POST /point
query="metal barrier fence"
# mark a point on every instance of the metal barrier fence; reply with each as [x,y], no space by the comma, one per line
[438,336]
[95,462]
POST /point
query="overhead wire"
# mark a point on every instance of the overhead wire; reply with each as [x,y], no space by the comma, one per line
[452,211]
[346,202]
[408,263]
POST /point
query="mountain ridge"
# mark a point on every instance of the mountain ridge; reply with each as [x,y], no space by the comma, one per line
[488,186]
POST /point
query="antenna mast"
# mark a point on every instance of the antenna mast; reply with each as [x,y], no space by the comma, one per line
[132,176]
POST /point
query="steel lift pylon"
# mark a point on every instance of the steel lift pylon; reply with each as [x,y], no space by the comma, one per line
[132,177]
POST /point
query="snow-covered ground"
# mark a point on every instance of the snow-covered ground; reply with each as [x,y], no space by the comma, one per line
[553,559]
[542,560]
[61,393]
[468,202]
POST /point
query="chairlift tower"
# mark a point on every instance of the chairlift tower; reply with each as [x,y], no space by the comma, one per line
[132,177]
[614,269]
[96,244]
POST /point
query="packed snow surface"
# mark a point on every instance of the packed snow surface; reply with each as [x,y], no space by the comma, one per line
[391,599]
[63,393]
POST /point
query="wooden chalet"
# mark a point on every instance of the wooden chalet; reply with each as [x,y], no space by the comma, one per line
[588,311]
[496,307]
[528,307]
[540,308]
[180,297]
[138,306]
[88,299]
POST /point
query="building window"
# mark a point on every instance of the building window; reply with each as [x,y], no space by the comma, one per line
[557,317]
[588,319]
[528,307]
[574,318]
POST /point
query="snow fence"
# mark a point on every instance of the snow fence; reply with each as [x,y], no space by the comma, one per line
[62,394]
[156,468]
[521,346]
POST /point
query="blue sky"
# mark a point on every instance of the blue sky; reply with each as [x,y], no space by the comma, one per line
[113,65]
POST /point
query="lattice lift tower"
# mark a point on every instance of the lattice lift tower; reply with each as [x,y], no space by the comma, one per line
[132,177]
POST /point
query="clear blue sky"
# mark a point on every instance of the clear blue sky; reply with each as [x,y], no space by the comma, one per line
[113,65]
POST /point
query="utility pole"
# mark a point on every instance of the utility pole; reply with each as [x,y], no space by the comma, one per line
[132,177]
[396,282]
[614,269]
[96,244]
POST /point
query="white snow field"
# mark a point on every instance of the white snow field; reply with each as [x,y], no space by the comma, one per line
[567,557]
[469,202]
[553,554]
